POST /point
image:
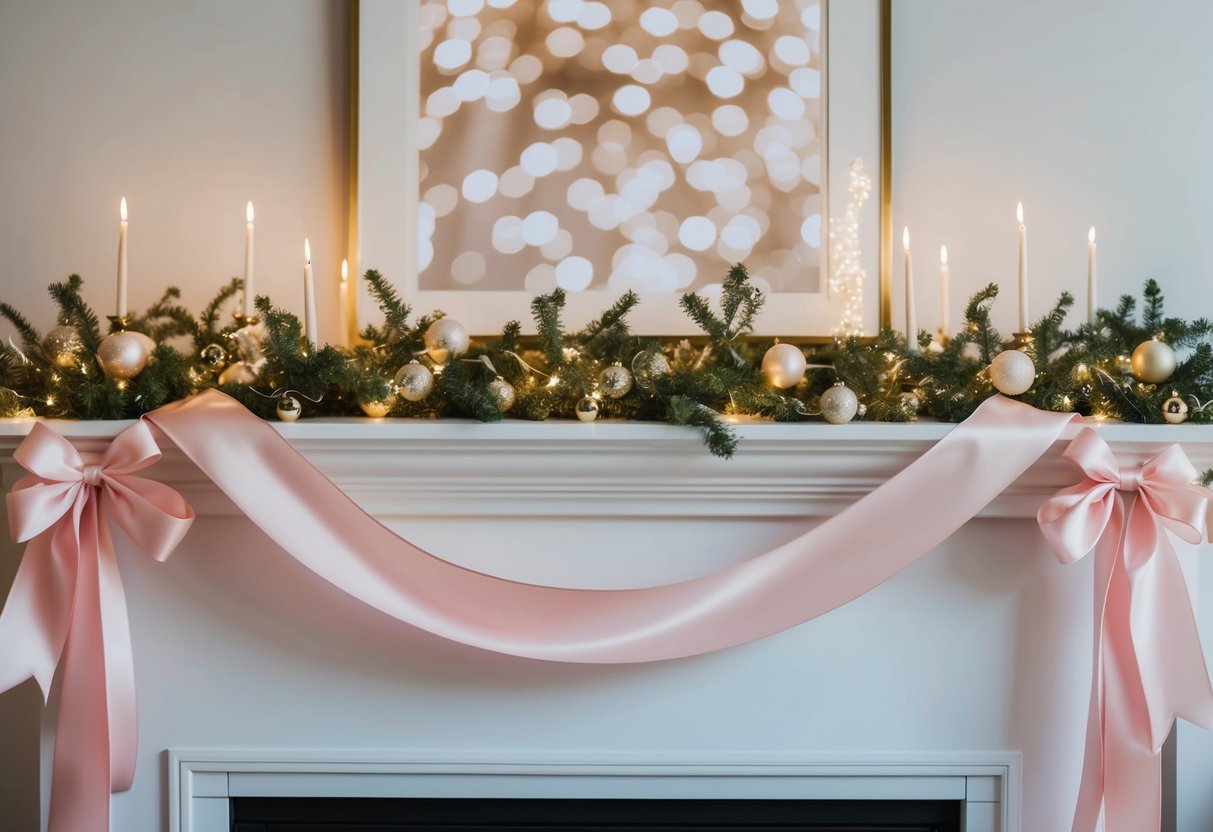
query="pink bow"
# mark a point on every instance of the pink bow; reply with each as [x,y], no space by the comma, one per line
[1149,667]
[67,601]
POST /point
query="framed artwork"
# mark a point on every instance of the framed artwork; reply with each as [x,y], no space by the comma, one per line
[504,148]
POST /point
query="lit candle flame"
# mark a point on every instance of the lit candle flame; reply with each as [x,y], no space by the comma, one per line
[1019,212]
[943,255]
[905,238]
[345,270]
[248,211]
[307,251]
[1091,235]
[122,209]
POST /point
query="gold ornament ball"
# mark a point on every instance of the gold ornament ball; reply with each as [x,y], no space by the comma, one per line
[1175,411]
[784,365]
[446,337]
[1153,362]
[212,356]
[64,345]
[239,373]
[503,393]
[587,409]
[838,404]
[288,409]
[414,381]
[376,397]
[122,355]
[1012,372]
[615,381]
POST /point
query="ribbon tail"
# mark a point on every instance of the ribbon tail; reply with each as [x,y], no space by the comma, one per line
[34,622]
[81,773]
[1091,786]
[119,665]
[1167,641]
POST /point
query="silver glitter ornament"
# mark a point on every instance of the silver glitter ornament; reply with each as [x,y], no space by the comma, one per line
[212,356]
[289,409]
[784,365]
[910,402]
[587,409]
[503,393]
[615,381]
[414,381]
[838,404]
[64,345]
[1175,411]
[123,354]
[648,366]
[446,337]
[1153,362]
[1012,372]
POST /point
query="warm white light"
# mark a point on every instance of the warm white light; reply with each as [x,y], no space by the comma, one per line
[248,211]
[716,25]
[452,54]
[122,209]
[1019,212]
[631,100]
[479,185]
[724,82]
[697,233]
[307,250]
[943,255]
[905,238]
[345,270]
[539,227]
[658,22]
[573,274]
[1091,235]
[793,51]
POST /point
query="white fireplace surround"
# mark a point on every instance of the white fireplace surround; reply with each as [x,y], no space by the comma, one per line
[254,678]
[201,782]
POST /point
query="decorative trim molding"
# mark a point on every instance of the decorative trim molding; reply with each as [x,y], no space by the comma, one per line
[202,781]
[401,469]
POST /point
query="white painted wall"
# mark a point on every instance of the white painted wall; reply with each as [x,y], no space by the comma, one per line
[188,108]
[1092,112]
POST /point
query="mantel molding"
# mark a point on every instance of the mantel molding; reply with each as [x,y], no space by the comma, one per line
[447,468]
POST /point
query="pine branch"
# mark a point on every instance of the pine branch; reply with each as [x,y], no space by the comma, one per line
[74,311]
[546,309]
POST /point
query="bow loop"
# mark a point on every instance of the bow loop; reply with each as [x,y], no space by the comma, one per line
[155,516]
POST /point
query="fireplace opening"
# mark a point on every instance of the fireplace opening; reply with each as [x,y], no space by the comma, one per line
[327,814]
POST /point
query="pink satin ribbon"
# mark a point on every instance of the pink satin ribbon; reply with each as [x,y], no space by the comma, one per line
[839,560]
[67,604]
[1149,666]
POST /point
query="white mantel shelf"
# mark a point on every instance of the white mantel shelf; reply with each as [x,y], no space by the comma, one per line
[402,468]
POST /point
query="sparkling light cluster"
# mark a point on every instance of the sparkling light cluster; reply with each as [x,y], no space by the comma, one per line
[847,273]
[622,145]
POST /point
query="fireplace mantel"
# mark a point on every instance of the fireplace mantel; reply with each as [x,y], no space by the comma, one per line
[517,468]
[980,651]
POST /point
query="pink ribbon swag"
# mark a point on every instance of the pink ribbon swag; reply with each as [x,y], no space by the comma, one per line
[67,604]
[1149,667]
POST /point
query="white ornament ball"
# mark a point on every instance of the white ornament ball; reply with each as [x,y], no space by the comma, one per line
[784,365]
[1175,410]
[1012,372]
[241,372]
[446,337]
[587,409]
[615,381]
[1153,362]
[122,354]
[414,381]
[288,409]
[146,340]
[503,393]
[838,404]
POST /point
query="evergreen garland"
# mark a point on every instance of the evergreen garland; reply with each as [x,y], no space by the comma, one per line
[706,384]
